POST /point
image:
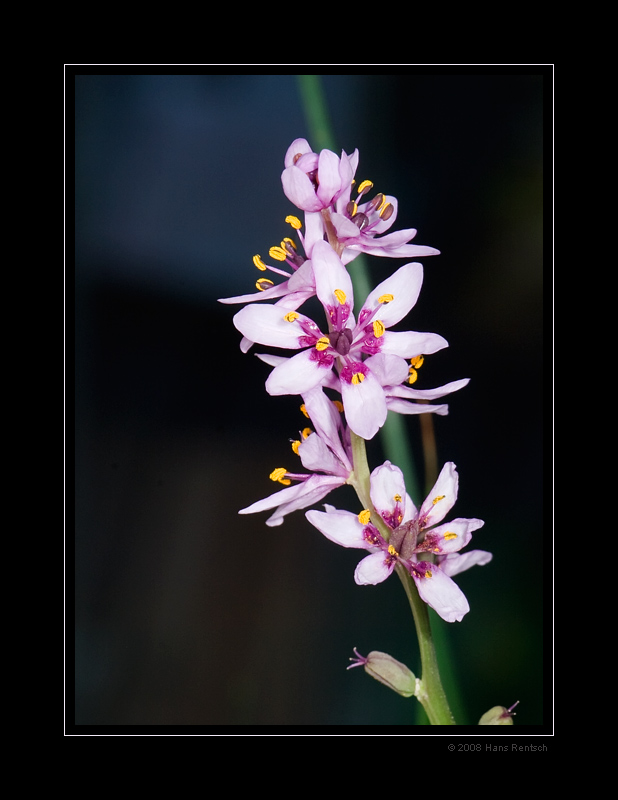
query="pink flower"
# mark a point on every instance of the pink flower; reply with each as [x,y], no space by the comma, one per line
[315,181]
[346,344]
[325,453]
[429,551]
[359,228]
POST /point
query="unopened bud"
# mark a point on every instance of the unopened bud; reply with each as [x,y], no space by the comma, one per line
[498,715]
[387,670]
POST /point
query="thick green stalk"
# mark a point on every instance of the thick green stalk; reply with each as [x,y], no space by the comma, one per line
[431,695]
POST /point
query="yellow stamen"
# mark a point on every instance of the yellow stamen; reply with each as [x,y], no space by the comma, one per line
[338,405]
[417,361]
[450,535]
[278,253]
[428,574]
[291,316]
[295,446]
[386,298]
[357,378]
[340,295]
[364,516]
[364,187]
[277,475]
[306,432]
[413,375]
[354,208]
[385,208]
[303,408]
[322,343]
[259,263]
[397,498]
[383,205]
[438,498]
[294,222]
[263,283]
[392,551]
[378,328]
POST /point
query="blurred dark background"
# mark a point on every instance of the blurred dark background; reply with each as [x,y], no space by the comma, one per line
[186,613]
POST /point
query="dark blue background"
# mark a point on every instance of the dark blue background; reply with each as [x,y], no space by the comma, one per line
[187,613]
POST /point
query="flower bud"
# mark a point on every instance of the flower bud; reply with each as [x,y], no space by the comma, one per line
[387,670]
[498,715]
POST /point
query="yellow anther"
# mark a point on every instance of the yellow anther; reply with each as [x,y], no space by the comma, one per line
[386,209]
[397,498]
[417,361]
[294,222]
[413,375]
[287,241]
[364,187]
[450,535]
[357,378]
[278,475]
[392,551]
[295,446]
[352,208]
[306,432]
[303,408]
[259,263]
[384,202]
[378,328]
[386,298]
[278,253]
[338,405]
[428,574]
[322,343]
[291,316]
[438,498]
[263,283]
[364,516]
[340,295]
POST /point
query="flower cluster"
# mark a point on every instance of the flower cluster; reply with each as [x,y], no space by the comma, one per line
[351,369]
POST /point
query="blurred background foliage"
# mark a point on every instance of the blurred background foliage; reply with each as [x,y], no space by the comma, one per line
[186,613]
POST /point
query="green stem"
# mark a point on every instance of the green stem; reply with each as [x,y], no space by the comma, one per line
[432,694]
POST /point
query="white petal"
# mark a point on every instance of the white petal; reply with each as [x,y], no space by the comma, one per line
[405,286]
[408,344]
[454,563]
[296,375]
[442,497]
[373,569]
[442,594]
[386,483]
[330,275]
[266,324]
[365,406]
[390,370]
[341,527]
